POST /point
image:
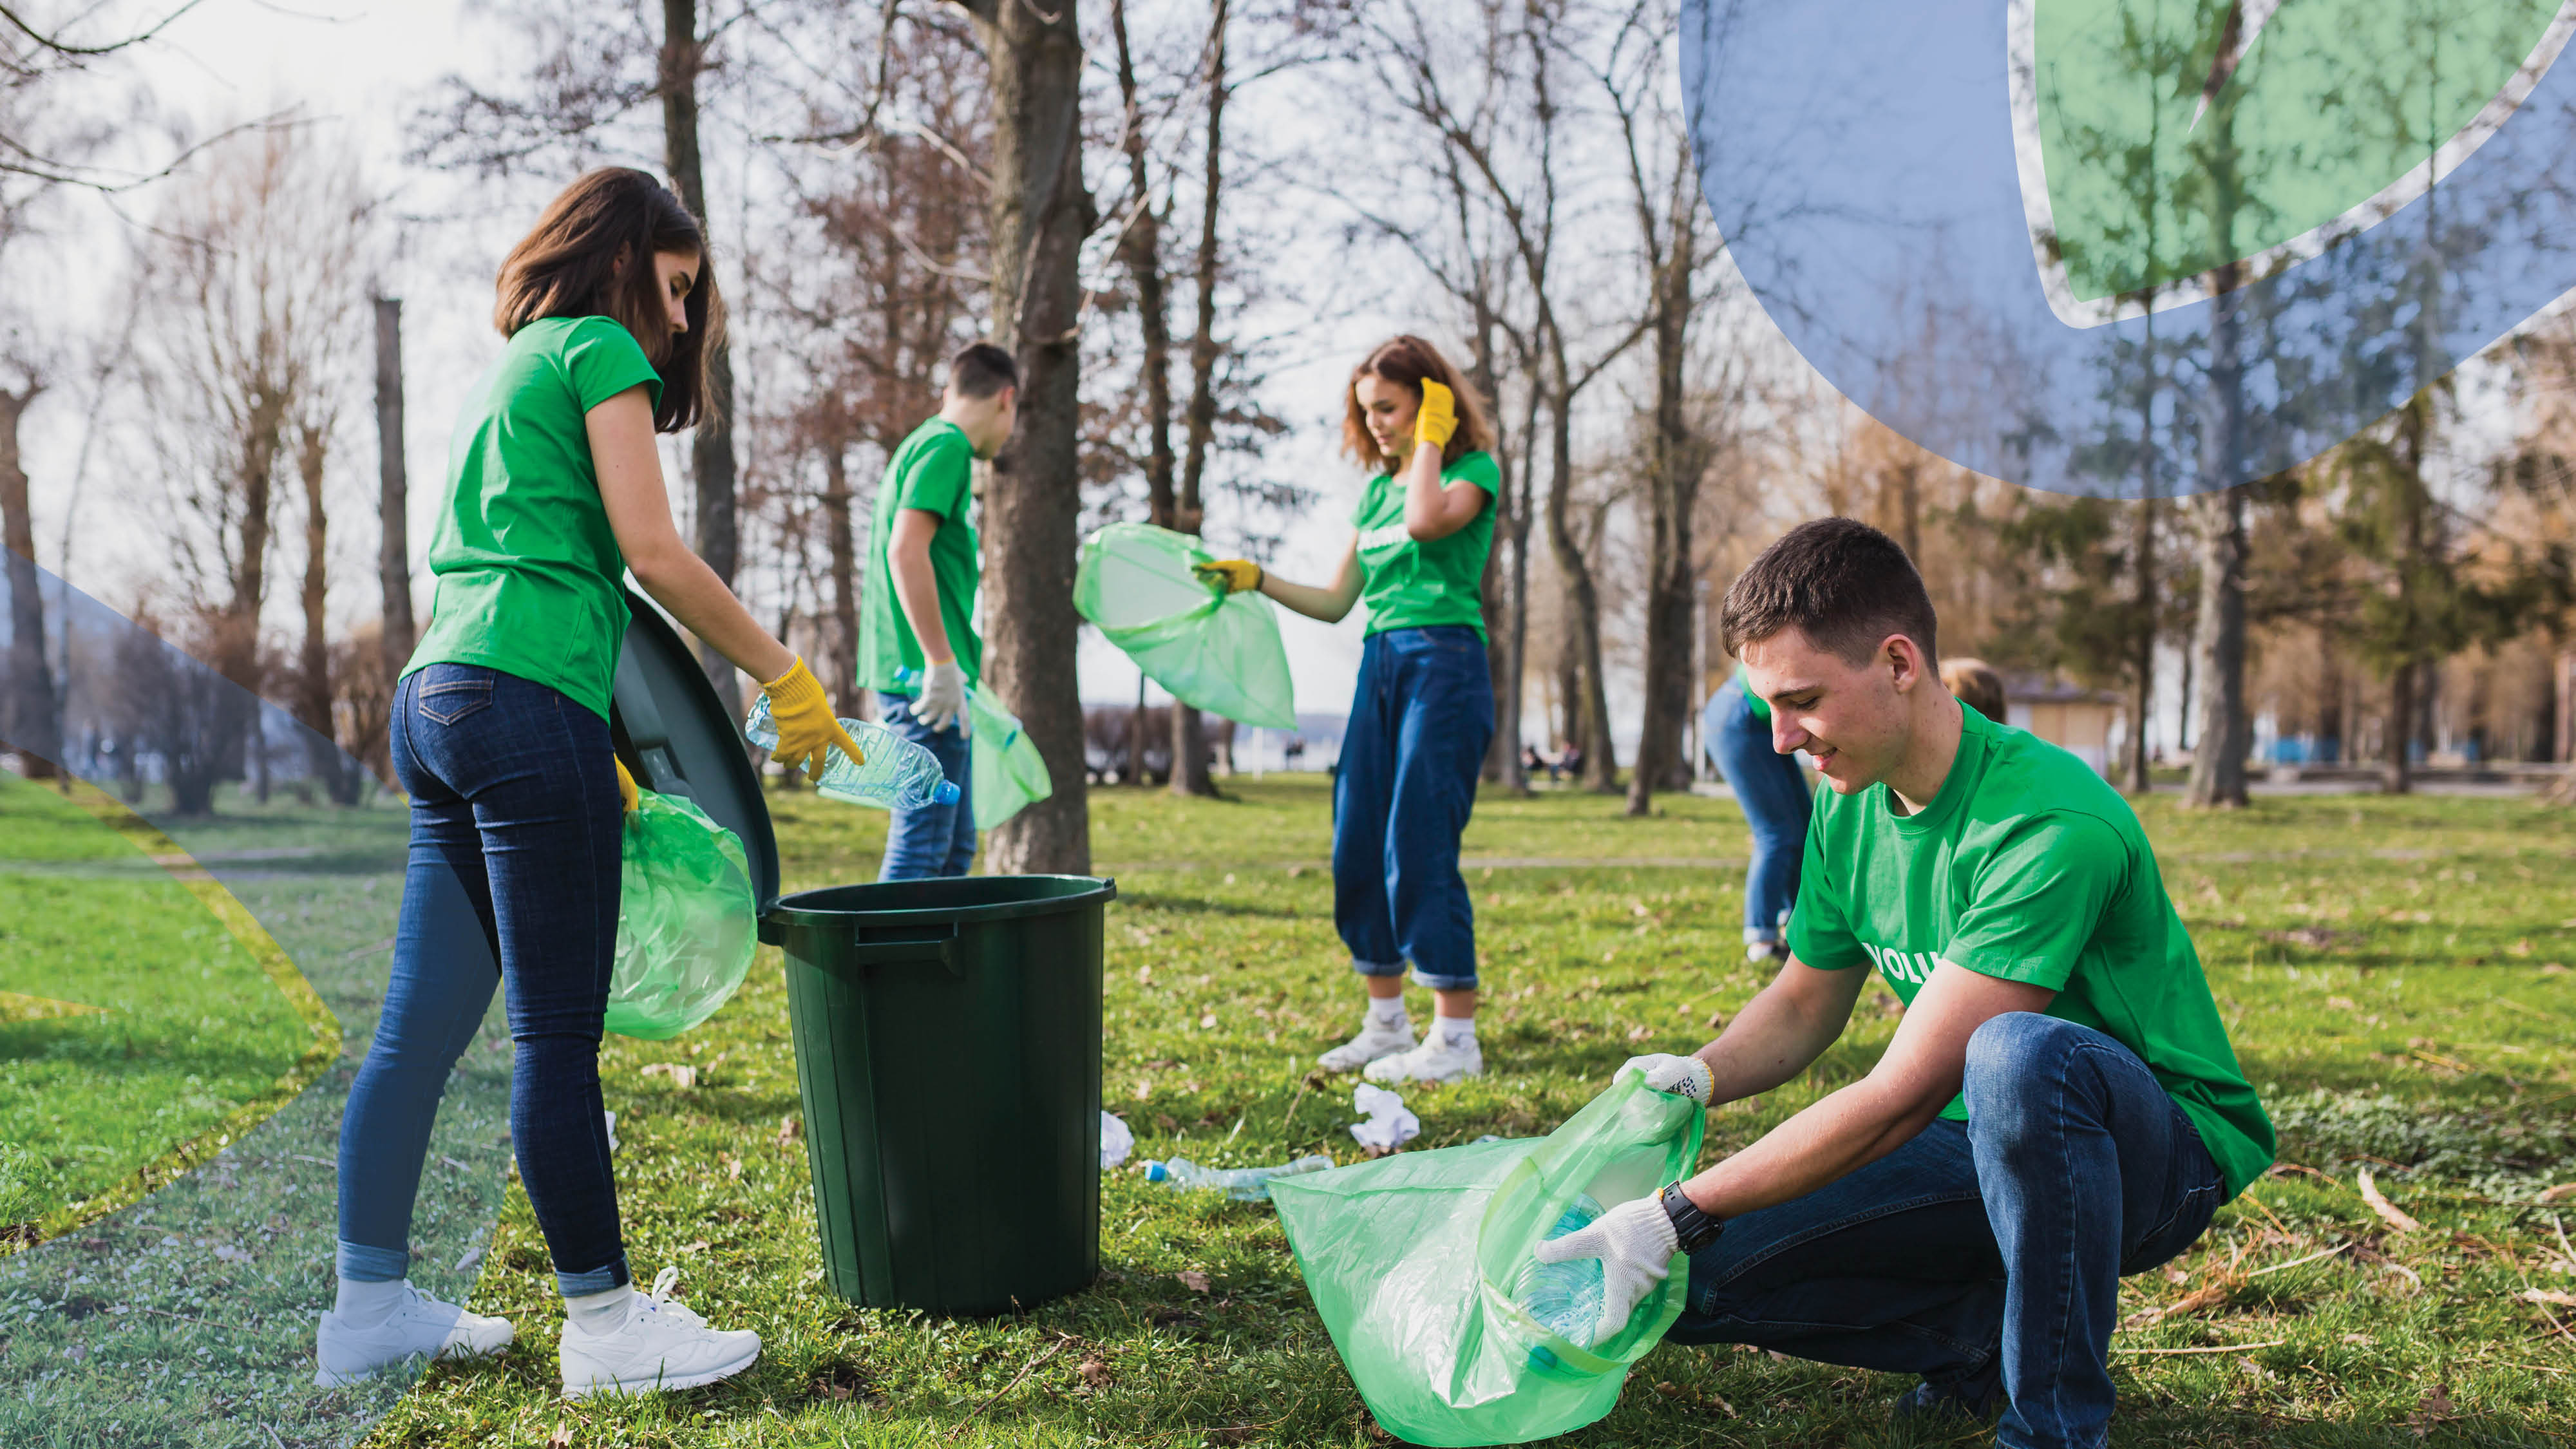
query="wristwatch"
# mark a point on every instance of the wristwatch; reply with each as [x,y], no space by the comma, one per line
[1692,1228]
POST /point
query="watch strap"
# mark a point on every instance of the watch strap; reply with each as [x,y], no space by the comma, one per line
[1693,1229]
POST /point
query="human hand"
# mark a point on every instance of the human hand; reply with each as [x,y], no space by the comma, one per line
[1438,416]
[1234,575]
[626,794]
[1681,1076]
[1635,1243]
[807,730]
[942,701]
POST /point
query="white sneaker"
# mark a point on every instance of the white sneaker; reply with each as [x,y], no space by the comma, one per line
[419,1324]
[1433,1061]
[1373,1042]
[664,1345]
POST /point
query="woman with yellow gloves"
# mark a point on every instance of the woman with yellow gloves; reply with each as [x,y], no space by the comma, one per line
[1424,711]
[500,736]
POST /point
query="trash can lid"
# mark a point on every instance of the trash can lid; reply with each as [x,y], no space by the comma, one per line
[677,737]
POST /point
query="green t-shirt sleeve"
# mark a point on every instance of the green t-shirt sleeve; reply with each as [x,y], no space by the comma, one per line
[603,359]
[2038,899]
[1820,932]
[939,478]
[1479,469]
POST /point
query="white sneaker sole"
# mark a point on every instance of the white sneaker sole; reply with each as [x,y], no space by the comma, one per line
[1458,1074]
[327,1378]
[659,1381]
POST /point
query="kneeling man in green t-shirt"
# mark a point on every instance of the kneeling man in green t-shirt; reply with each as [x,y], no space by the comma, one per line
[2060,1105]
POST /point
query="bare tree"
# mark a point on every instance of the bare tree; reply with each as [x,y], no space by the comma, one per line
[1038,212]
[393,495]
[30,717]
[1189,733]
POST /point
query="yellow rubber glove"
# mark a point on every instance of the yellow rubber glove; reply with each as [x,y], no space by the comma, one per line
[626,794]
[1234,575]
[806,726]
[1438,417]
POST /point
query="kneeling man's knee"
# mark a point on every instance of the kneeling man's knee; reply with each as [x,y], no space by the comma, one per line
[2008,1057]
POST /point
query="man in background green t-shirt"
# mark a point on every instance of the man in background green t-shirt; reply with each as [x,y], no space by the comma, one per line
[917,643]
[2060,1105]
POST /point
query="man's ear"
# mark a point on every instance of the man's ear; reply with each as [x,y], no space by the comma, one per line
[1906,664]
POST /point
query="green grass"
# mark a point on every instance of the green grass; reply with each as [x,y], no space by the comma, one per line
[2393,972]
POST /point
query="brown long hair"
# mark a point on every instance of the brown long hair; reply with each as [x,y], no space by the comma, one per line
[1406,359]
[591,255]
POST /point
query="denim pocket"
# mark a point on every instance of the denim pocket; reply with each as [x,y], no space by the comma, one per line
[449,700]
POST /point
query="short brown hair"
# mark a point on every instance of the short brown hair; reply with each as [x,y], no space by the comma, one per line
[591,255]
[981,369]
[1977,686]
[1840,582]
[1407,359]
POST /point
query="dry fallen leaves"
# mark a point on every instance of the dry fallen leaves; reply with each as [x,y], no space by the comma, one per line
[790,1129]
[2560,1193]
[682,1075]
[2549,1295]
[2434,1408]
[561,1438]
[2389,1212]
[1193,1280]
[1095,1372]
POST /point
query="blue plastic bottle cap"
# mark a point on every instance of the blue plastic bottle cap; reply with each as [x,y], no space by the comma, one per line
[946,794]
[1156,1172]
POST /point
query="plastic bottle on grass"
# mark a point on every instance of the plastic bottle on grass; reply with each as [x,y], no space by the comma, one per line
[1566,1296]
[1243,1184]
[898,775]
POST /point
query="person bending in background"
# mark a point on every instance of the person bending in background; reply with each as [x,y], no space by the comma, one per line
[1424,711]
[1974,683]
[499,729]
[1771,790]
[917,643]
[2060,1104]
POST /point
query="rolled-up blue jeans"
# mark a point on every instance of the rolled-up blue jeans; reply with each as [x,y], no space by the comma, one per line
[930,840]
[1420,721]
[1983,1251]
[1772,791]
[515,831]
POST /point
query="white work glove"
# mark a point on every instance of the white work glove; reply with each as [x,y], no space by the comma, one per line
[943,697]
[1681,1076]
[1635,1243]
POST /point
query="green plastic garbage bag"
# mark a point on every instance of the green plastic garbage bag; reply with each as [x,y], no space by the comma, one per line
[1420,1265]
[1010,774]
[687,919]
[1218,652]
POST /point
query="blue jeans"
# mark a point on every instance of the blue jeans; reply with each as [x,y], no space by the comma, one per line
[1420,721]
[1772,791]
[514,859]
[930,840]
[1981,1253]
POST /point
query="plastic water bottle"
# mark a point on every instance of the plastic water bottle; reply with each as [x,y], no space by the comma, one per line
[1243,1184]
[898,775]
[1566,1296]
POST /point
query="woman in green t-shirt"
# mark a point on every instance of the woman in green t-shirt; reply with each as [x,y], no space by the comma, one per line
[500,737]
[1424,711]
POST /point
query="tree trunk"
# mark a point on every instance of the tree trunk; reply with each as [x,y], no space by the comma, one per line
[843,546]
[1515,525]
[1582,597]
[1189,732]
[1141,248]
[711,461]
[1672,484]
[30,717]
[2142,656]
[322,757]
[2397,772]
[393,492]
[1037,213]
[2218,763]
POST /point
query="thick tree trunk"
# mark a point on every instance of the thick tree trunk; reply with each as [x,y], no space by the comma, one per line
[1038,212]
[30,715]
[711,461]
[842,543]
[2218,760]
[2397,772]
[2142,655]
[322,756]
[393,492]
[1189,732]
[1674,464]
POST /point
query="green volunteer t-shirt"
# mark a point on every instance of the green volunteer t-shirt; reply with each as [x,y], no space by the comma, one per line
[2028,866]
[933,470]
[1755,704]
[528,570]
[1413,584]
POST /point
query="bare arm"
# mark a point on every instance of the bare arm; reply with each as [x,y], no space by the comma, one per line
[1433,509]
[1331,603]
[639,513]
[1872,1117]
[1782,1030]
[915,587]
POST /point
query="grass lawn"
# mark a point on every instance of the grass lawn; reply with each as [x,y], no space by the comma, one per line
[2395,973]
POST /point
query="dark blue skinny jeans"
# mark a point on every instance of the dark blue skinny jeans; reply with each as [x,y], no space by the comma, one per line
[514,858]
[1772,791]
[930,840]
[1420,722]
[1982,1252]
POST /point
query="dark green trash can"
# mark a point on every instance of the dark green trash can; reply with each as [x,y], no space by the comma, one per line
[948,1050]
